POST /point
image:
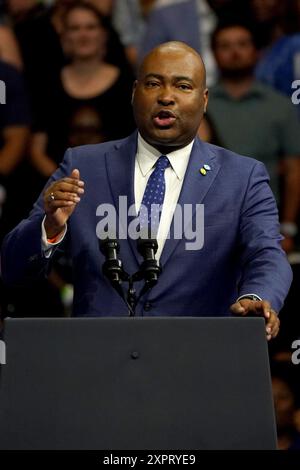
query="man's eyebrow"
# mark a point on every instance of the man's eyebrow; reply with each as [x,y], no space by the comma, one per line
[153,75]
[161,77]
[184,78]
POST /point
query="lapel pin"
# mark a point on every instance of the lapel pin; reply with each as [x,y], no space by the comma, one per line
[202,171]
[206,167]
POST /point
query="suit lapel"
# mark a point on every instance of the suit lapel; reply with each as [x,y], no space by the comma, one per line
[120,164]
[194,188]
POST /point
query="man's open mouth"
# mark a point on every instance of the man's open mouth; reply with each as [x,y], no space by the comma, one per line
[164,118]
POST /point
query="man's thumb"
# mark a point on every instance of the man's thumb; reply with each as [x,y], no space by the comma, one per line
[75,174]
[237,309]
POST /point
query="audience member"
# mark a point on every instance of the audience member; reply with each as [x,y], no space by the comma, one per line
[278,37]
[129,19]
[284,402]
[190,21]
[9,50]
[88,80]
[14,133]
[262,122]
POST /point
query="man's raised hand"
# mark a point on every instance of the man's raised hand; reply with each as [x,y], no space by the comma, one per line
[60,199]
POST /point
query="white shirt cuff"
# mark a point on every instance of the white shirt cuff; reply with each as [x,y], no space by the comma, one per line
[249,295]
[48,247]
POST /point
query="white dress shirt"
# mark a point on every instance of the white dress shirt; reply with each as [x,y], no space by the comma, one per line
[146,158]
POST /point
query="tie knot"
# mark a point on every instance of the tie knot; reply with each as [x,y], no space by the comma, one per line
[162,163]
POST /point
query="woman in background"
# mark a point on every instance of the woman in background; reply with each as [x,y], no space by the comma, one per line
[87,81]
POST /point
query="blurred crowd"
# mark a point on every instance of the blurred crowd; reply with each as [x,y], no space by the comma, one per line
[68,68]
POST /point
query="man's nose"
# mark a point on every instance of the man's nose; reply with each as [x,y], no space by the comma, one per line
[166,97]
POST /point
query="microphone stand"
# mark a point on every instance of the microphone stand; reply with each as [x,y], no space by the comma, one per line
[112,268]
[131,296]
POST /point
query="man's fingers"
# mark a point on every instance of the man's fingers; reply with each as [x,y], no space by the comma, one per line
[238,309]
[244,307]
[256,307]
[61,203]
[273,324]
[61,187]
[70,185]
[266,308]
[74,181]
[66,189]
[65,196]
[59,199]
[259,307]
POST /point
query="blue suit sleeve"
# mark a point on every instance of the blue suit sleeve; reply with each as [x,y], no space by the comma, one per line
[265,269]
[21,254]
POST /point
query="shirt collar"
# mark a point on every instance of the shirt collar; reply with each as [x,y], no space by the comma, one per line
[147,156]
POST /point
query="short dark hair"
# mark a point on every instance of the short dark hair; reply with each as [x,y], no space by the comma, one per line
[227,25]
[82,5]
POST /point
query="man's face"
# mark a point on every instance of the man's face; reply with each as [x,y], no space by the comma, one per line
[169,98]
[283,403]
[267,10]
[20,6]
[234,50]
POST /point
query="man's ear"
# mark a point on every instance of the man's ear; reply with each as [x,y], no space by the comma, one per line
[205,97]
[133,90]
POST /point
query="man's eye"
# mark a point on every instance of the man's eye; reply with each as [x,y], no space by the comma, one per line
[152,84]
[184,86]
[74,29]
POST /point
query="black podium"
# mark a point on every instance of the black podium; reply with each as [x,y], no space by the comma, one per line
[136,383]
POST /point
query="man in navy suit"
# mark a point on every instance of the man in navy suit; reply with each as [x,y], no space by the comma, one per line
[239,268]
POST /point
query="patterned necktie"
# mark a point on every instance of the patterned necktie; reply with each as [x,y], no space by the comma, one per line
[153,197]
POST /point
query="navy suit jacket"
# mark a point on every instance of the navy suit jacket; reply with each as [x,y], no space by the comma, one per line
[241,252]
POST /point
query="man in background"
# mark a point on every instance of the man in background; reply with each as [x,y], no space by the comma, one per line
[252,119]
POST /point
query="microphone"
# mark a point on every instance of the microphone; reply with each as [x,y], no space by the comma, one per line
[112,267]
[150,268]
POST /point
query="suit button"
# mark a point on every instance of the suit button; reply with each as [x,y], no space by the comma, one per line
[135,355]
[147,306]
